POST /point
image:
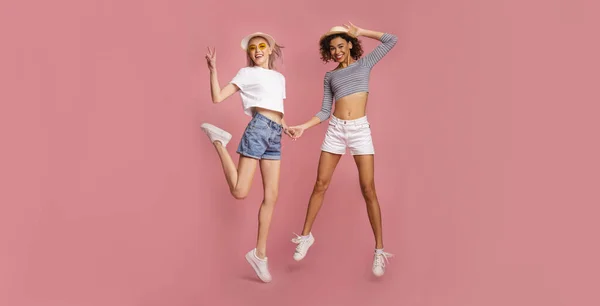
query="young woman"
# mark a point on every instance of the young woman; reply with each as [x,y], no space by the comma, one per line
[262,90]
[348,85]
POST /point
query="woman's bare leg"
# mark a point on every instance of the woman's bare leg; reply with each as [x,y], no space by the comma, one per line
[270,170]
[366,170]
[327,164]
[239,179]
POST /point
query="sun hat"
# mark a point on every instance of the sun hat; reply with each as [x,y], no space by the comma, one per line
[334,30]
[247,39]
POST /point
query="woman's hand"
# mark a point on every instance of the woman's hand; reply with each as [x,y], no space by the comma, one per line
[287,131]
[353,30]
[296,131]
[211,59]
[356,32]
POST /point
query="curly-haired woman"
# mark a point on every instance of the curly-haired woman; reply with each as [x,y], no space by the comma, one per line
[348,86]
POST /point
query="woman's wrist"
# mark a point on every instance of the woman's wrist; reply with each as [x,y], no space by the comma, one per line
[310,123]
[306,125]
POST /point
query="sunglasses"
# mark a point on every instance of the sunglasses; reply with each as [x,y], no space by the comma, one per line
[261,46]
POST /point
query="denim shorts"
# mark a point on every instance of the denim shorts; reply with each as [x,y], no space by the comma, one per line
[261,139]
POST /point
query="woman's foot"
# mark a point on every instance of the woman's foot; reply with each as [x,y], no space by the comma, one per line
[379,262]
[216,134]
[303,244]
[260,266]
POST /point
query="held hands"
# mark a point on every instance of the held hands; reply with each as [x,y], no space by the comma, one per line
[294,131]
[211,59]
[286,130]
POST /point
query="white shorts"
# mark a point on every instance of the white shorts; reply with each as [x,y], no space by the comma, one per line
[353,134]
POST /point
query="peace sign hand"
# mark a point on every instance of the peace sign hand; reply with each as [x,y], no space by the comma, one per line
[211,59]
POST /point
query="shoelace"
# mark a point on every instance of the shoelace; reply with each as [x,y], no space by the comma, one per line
[299,241]
[381,259]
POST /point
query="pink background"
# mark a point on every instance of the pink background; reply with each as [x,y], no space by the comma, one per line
[484,118]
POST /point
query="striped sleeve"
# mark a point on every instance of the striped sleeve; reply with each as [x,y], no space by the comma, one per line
[327,103]
[388,41]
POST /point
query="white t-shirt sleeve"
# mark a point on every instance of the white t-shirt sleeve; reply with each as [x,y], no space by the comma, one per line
[283,81]
[241,79]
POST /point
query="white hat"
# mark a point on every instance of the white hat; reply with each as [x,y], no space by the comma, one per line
[247,39]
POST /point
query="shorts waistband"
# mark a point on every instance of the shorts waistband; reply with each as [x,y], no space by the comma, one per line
[270,123]
[361,120]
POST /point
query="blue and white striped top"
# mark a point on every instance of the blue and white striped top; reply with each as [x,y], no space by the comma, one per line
[353,78]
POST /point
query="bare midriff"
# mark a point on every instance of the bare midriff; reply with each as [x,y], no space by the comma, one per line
[271,114]
[351,107]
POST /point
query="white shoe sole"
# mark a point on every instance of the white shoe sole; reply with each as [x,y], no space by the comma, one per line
[218,134]
[256,269]
[377,274]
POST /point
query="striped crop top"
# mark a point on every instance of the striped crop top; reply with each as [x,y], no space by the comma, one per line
[353,78]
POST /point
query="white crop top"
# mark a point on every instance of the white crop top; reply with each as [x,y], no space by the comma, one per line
[260,87]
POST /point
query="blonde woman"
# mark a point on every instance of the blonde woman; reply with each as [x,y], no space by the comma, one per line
[262,90]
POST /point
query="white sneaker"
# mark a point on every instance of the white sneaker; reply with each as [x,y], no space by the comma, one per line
[303,244]
[216,134]
[379,263]
[260,266]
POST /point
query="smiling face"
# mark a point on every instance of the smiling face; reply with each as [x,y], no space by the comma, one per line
[259,51]
[339,49]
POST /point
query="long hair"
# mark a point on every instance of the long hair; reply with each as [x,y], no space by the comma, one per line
[276,54]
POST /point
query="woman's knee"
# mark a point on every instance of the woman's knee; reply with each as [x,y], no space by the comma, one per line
[239,193]
[321,185]
[271,197]
[368,190]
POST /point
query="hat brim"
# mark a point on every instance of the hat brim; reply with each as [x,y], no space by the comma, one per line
[330,33]
[246,40]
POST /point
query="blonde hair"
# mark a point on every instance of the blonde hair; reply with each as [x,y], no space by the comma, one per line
[276,53]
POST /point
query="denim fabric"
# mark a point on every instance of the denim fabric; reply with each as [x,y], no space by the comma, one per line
[261,139]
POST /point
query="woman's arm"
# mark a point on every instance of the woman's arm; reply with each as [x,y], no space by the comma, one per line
[310,123]
[216,92]
[296,131]
[322,115]
[388,41]
[286,128]
[356,32]
[370,34]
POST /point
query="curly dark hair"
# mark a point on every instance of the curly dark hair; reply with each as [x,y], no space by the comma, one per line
[356,51]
